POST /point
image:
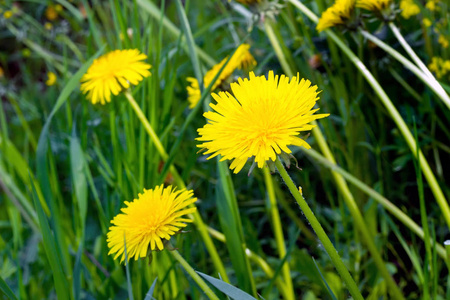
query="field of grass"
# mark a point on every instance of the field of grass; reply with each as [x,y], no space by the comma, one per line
[374,186]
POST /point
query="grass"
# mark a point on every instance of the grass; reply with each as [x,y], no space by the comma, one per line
[375,178]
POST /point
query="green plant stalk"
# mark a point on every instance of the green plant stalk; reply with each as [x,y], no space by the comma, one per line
[431,82]
[343,188]
[444,96]
[187,267]
[315,224]
[196,216]
[388,205]
[277,228]
[431,179]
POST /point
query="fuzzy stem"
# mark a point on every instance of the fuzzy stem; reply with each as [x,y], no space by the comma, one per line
[279,238]
[198,221]
[315,224]
[187,267]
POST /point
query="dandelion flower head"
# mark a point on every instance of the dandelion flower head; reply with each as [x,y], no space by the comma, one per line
[373,5]
[241,59]
[409,8]
[336,14]
[260,120]
[148,221]
[51,79]
[112,72]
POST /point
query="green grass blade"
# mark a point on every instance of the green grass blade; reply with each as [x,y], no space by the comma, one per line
[52,251]
[7,290]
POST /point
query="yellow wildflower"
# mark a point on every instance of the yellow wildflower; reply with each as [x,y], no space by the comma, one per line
[339,13]
[431,5]
[260,120]
[149,221]
[440,67]
[409,8]
[50,13]
[51,79]
[426,22]
[443,41]
[7,14]
[2,73]
[241,59]
[373,5]
[112,72]
[48,26]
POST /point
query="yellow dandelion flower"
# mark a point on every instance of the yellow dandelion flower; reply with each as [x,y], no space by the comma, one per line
[7,14]
[58,8]
[241,59]
[112,72]
[443,41]
[440,67]
[409,8]
[339,13]
[373,5]
[426,22]
[48,26]
[51,79]
[431,5]
[50,13]
[260,121]
[149,221]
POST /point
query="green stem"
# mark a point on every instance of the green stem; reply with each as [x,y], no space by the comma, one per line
[315,224]
[198,221]
[388,205]
[431,82]
[187,267]
[277,228]
[431,179]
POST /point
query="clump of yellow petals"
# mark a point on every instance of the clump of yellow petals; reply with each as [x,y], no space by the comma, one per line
[409,8]
[51,79]
[112,72]
[373,5]
[443,41]
[51,13]
[440,67]
[337,14]
[8,14]
[241,59]
[432,5]
[148,221]
[260,120]
[426,22]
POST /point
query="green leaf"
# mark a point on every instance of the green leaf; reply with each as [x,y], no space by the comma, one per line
[227,289]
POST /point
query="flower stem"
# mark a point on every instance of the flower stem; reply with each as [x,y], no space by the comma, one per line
[279,238]
[431,179]
[426,77]
[187,267]
[198,221]
[315,224]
